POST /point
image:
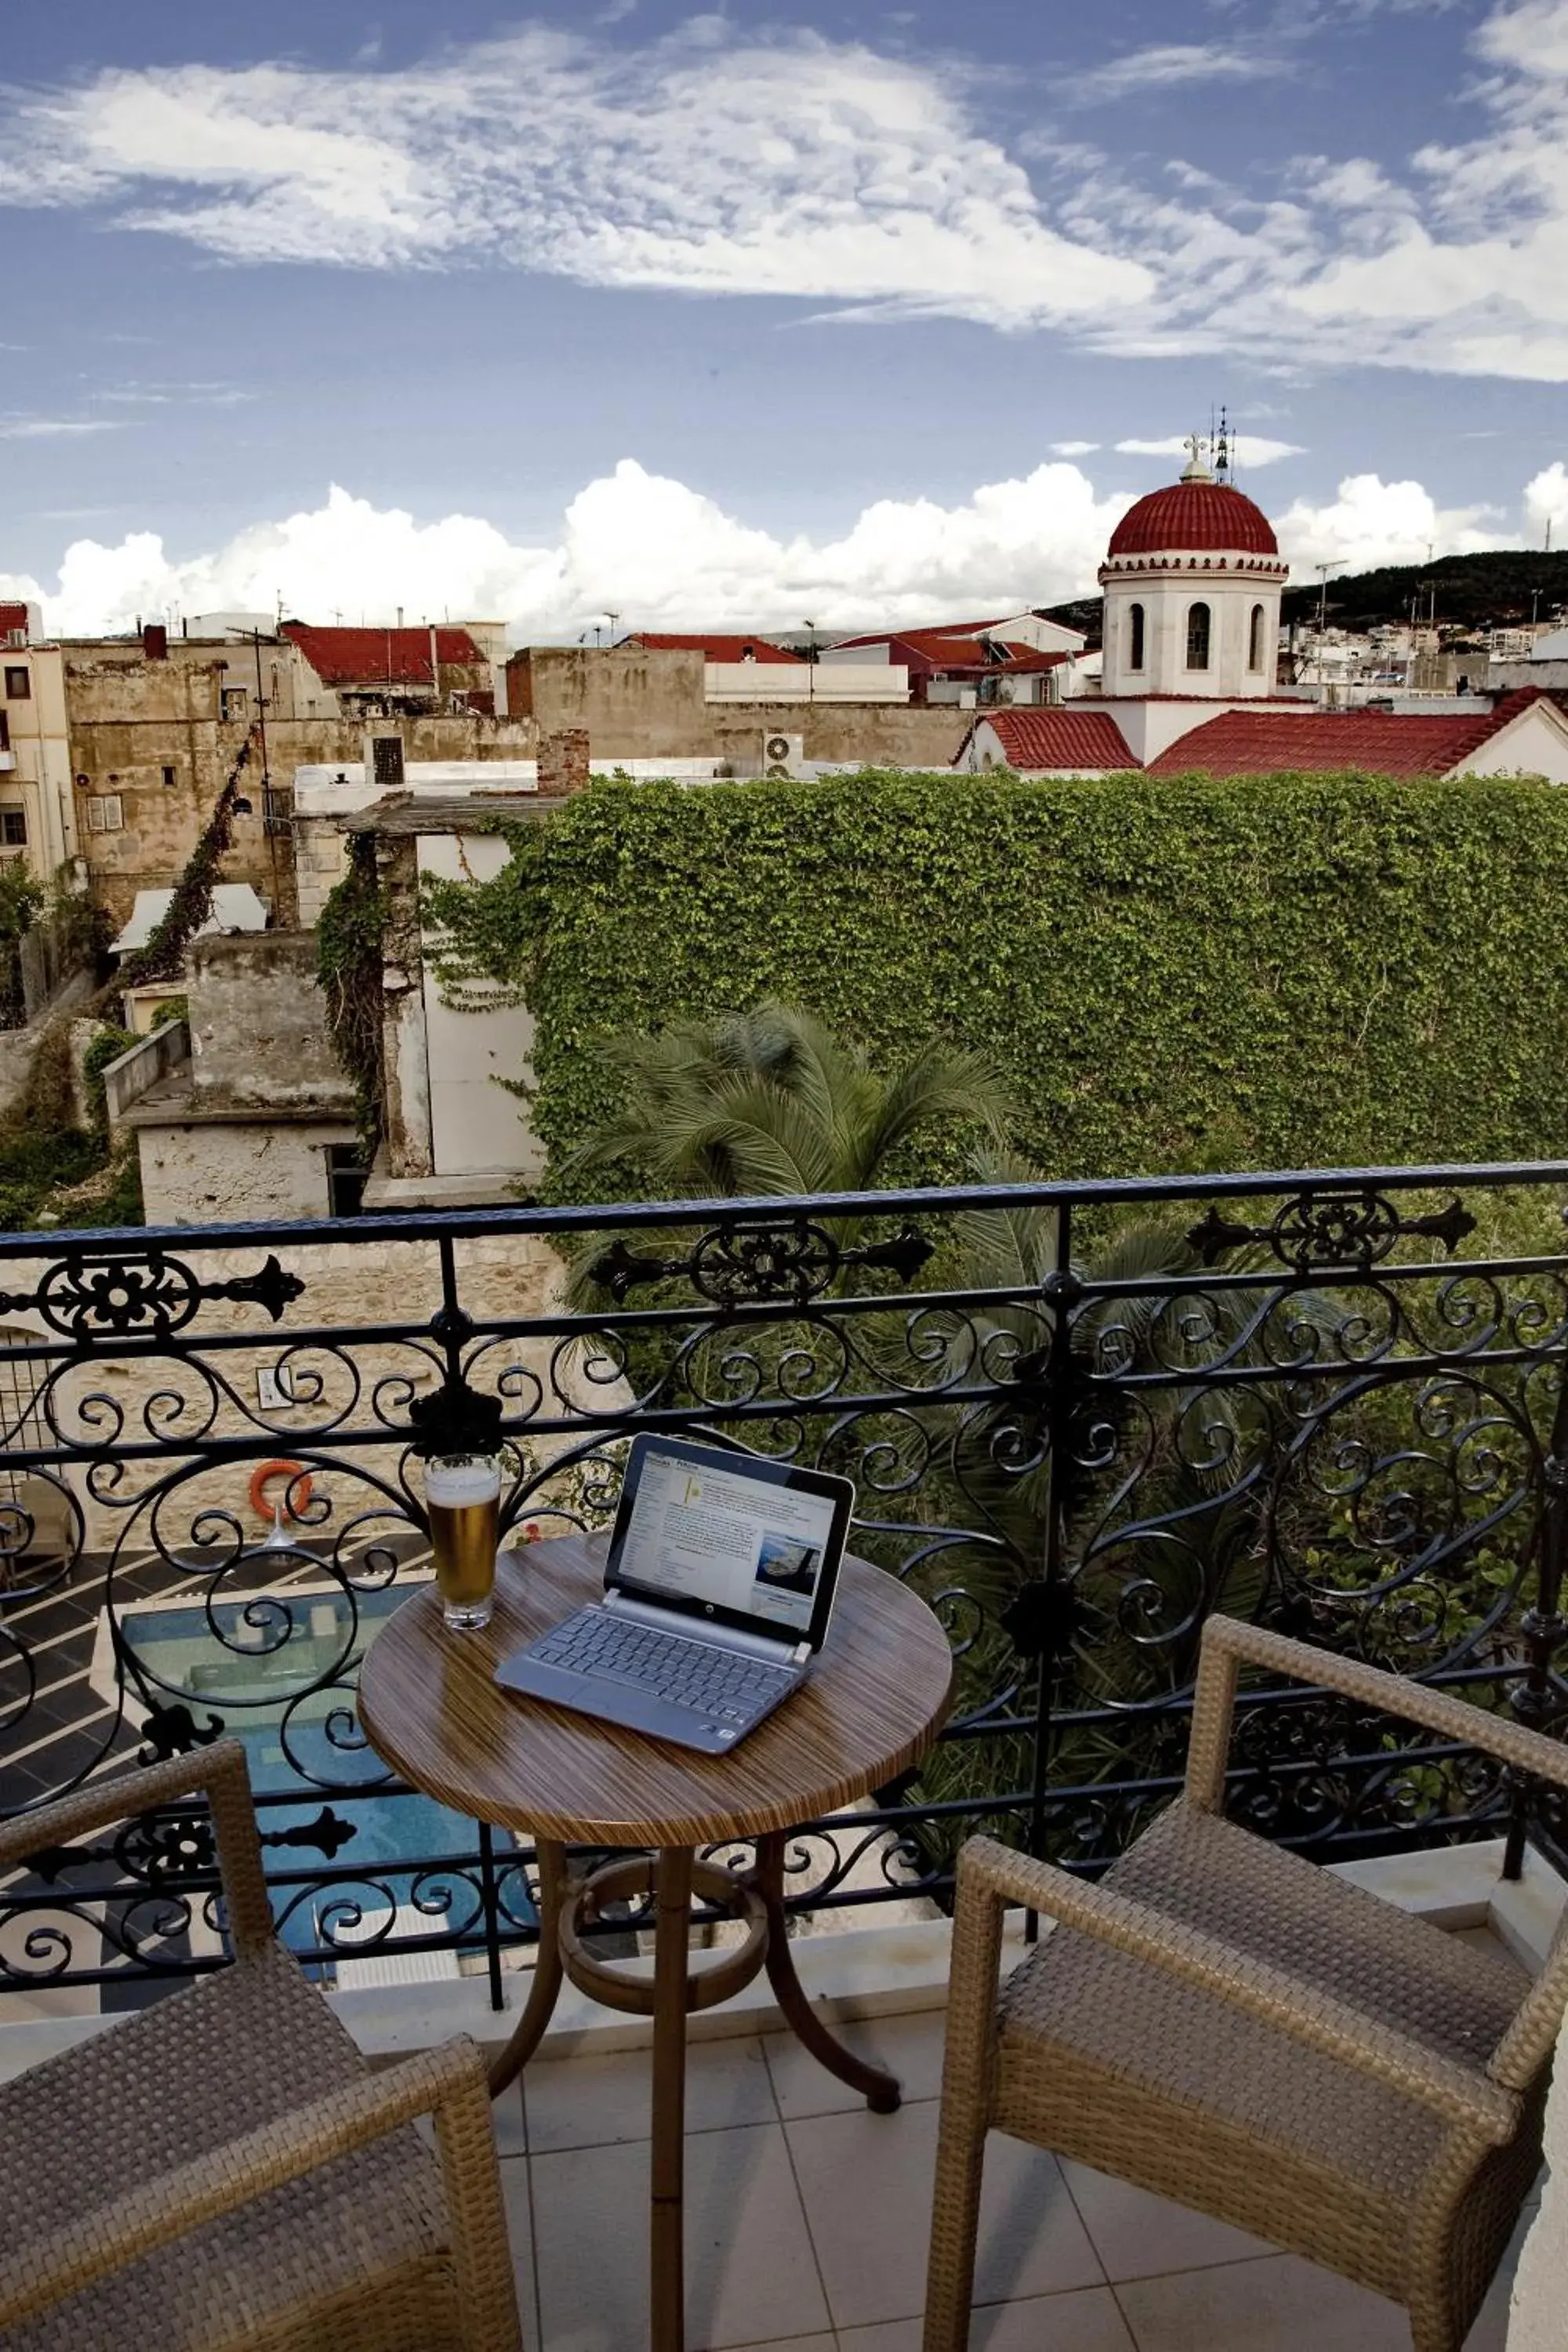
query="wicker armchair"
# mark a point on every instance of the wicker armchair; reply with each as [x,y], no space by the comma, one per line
[223,2169]
[1223,2023]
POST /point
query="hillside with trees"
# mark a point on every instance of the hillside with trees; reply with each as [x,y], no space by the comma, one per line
[1506,588]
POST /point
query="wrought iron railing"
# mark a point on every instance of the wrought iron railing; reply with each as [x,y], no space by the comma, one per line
[1079,1419]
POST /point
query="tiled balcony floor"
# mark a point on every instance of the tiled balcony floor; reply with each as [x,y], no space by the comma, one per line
[806,2225]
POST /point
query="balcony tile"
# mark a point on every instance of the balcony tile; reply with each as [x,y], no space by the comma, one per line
[514,2192]
[1140,2236]
[1280,2305]
[598,2102]
[750,2274]
[867,2182]
[909,2046]
[1085,2322]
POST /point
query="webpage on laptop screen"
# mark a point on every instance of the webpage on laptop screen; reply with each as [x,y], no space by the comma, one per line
[718,1536]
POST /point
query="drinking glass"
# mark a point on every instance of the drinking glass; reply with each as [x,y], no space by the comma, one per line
[462,1496]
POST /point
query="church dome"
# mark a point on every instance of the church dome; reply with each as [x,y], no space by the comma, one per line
[1194,515]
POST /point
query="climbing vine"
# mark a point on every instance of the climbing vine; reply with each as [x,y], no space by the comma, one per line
[348,965]
[162,956]
[1283,970]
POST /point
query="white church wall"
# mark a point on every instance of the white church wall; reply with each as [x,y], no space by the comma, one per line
[1534,744]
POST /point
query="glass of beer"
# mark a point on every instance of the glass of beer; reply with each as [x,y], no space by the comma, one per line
[462,1496]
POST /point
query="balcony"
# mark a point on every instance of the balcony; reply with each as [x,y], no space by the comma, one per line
[1079,1419]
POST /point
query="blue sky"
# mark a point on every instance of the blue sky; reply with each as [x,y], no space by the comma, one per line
[761,315]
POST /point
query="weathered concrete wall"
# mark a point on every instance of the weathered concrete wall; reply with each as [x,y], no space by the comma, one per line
[132,720]
[639,704]
[212,1171]
[259,1022]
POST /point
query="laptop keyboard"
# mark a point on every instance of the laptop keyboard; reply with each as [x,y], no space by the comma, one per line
[717,1683]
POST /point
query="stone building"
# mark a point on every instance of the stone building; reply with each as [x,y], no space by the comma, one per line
[156,725]
[241,1111]
[38,820]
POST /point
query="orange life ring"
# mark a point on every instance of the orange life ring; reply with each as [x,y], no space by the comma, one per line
[262,1478]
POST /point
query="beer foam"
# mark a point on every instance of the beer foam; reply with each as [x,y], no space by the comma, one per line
[455,1484]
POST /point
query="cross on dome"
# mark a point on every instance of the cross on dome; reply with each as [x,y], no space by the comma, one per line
[1197,446]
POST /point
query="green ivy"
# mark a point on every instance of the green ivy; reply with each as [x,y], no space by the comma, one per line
[1283,970]
[348,966]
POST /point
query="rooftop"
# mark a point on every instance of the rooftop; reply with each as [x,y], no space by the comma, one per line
[1386,743]
[712,648]
[1198,515]
[1059,736]
[382,656]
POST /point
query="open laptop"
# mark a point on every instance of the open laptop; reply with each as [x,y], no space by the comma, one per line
[717,1590]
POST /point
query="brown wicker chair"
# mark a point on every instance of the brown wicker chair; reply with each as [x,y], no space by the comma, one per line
[1226,2024]
[224,2168]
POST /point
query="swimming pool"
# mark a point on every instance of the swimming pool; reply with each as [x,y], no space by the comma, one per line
[303,1741]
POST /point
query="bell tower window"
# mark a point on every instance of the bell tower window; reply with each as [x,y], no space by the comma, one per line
[1198,622]
[1254,639]
[1135,636]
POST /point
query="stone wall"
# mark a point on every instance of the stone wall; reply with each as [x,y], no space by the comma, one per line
[161,736]
[258,1023]
[638,704]
[206,1171]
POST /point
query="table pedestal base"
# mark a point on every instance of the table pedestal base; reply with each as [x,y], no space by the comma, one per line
[755,1896]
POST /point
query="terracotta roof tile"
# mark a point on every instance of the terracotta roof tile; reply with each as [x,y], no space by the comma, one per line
[1060,736]
[381,656]
[713,649]
[1212,517]
[1379,743]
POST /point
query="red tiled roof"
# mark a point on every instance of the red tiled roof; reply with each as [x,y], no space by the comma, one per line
[1204,516]
[13,617]
[1379,743]
[713,649]
[1060,736]
[381,656]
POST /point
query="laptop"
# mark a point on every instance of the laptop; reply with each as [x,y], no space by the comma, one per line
[718,1591]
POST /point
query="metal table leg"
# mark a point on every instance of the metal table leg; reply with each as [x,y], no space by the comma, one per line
[876,2086]
[528,2031]
[667,2299]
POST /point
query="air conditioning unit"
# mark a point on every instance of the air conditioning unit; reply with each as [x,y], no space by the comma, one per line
[783,755]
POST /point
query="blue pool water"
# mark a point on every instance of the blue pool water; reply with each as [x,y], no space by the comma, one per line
[249,1688]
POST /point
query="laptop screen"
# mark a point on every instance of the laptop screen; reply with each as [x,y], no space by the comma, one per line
[730,1536]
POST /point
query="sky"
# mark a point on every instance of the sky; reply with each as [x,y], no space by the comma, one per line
[837,314]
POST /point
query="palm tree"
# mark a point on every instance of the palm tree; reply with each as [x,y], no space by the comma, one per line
[771,1102]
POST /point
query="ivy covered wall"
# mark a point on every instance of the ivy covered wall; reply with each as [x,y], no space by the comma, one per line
[1268,971]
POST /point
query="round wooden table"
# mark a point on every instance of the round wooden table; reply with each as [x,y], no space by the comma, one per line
[871,1705]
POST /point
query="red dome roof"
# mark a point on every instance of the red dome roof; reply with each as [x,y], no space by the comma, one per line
[1210,517]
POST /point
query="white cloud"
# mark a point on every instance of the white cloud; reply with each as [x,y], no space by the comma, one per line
[1177,65]
[54,428]
[1546,504]
[1246,448]
[662,555]
[1074,449]
[727,162]
[706,161]
[1370,521]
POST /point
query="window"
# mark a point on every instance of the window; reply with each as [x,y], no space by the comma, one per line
[387,750]
[1135,636]
[1197,636]
[1255,638]
[13,828]
[235,702]
[5,732]
[346,1175]
[18,683]
[168,775]
[105,813]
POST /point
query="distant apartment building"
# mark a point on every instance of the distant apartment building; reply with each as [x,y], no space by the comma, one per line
[37,813]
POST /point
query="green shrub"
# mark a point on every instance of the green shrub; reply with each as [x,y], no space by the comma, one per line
[1285,970]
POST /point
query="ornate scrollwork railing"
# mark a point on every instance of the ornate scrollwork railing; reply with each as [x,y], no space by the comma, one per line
[1315,1400]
